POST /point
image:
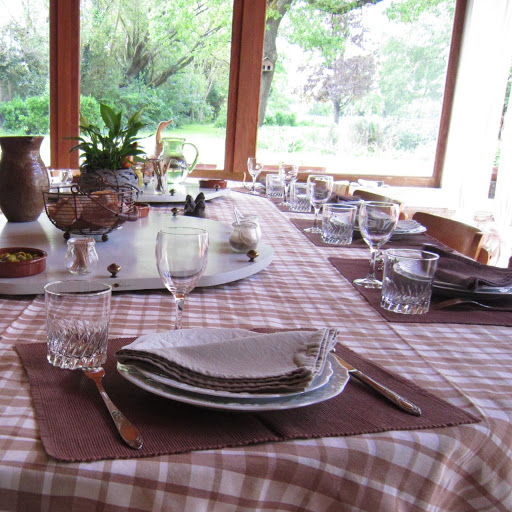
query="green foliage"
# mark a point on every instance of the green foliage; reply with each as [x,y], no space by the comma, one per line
[90,109]
[110,148]
[296,145]
[368,133]
[29,116]
[409,11]
[281,119]
[222,118]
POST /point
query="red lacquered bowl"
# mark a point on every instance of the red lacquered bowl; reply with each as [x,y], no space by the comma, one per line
[23,268]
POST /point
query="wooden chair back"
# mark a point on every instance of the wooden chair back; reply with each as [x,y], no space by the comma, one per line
[365,195]
[461,237]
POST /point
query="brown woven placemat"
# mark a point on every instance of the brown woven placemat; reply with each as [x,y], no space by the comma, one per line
[352,269]
[405,241]
[74,423]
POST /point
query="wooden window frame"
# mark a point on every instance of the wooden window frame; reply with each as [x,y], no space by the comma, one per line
[244,91]
[64,81]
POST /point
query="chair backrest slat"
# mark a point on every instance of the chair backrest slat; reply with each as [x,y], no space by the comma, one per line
[461,237]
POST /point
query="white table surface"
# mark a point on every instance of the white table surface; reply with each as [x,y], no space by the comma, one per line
[133,247]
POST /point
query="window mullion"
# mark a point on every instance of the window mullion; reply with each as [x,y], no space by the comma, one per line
[64,81]
[245,79]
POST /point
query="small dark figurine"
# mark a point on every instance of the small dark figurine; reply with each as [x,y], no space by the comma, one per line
[195,208]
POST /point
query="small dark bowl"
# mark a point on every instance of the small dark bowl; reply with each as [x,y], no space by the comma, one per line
[23,268]
[143,209]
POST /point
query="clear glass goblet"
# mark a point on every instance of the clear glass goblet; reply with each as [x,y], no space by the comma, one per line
[254,169]
[181,257]
[319,190]
[288,174]
[377,222]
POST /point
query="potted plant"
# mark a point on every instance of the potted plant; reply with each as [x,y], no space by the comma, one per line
[108,154]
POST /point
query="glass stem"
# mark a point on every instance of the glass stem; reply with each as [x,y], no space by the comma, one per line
[373,260]
[317,209]
[180,304]
[253,183]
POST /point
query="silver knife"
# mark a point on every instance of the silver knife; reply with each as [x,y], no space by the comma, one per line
[398,400]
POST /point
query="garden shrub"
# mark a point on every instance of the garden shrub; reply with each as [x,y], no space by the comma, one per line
[29,116]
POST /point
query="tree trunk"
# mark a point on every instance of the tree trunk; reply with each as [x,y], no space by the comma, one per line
[270,50]
[337,110]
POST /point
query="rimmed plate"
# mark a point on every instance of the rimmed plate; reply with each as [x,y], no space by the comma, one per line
[332,388]
[484,292]
[408,227]
[318,382]
[404,228]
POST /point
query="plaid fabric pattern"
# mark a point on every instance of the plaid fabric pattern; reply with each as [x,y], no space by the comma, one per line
[464,468]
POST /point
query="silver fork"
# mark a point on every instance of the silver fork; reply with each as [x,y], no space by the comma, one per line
[450,303]
[129,433]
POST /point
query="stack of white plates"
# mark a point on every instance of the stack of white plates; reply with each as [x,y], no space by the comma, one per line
[408,227]
[327,385]
[404,228]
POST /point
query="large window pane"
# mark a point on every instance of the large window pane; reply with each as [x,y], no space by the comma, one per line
[170,57]
[355,90]
[24,70]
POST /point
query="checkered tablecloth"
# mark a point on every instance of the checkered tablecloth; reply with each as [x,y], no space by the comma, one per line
[464,468]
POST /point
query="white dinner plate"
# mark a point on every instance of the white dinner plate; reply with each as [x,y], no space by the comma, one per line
[408,227]
[334,387]
[318,382]
[453,290]
[404,228]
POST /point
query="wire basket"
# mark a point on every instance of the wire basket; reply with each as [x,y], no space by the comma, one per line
[91,213]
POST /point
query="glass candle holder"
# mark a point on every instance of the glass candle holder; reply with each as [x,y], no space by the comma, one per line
[81,257]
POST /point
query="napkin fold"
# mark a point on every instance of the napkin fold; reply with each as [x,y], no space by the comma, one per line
[235,360]
[456,269]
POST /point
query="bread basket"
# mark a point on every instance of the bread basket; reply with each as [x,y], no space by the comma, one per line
[97,213]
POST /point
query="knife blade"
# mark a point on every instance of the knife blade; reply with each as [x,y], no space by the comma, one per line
[398,400]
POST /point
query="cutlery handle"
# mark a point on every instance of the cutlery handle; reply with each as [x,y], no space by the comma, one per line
[397,399]
[127,430]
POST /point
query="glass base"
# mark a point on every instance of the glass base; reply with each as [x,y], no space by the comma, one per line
[405,308]
[368,282]
[76,363]
[313,229]
[285,203]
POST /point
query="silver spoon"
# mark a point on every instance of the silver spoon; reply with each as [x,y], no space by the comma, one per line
[450,303]
[129,432]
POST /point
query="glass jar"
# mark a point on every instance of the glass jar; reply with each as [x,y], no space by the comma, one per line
[81,256]
[245,236]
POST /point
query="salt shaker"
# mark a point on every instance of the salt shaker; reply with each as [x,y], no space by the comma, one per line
[81,256]
[245,236]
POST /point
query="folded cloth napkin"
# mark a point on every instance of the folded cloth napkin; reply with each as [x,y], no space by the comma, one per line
[235,360]
[456,269]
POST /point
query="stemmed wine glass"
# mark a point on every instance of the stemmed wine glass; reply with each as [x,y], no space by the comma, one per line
[254,169]
[377,222]
[319,190]
[181,257]
[288,174]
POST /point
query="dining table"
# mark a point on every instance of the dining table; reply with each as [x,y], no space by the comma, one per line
[362,454]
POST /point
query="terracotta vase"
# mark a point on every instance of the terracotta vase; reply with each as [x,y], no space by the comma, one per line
[23,178]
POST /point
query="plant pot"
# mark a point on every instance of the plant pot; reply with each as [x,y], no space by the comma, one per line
[92,181]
